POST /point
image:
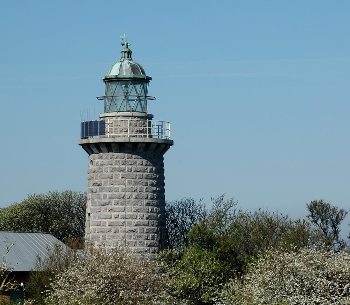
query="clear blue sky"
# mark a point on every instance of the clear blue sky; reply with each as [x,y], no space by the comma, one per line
[257,92]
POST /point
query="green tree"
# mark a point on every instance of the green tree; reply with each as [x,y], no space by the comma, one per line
[328,218]
[238,236]
[181,216]
[61,214]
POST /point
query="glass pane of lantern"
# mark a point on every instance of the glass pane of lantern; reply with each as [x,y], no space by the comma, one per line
[126,96]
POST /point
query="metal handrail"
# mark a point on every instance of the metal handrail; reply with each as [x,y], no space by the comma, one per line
[105,129]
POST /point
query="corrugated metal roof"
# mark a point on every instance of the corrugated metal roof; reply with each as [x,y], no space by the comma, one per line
[21,251]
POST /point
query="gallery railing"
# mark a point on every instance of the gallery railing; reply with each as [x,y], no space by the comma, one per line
[125,128]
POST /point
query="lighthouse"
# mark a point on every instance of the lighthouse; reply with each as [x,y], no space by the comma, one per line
[126,147]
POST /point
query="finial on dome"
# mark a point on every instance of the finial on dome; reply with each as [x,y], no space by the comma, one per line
[126,52]
[124,40]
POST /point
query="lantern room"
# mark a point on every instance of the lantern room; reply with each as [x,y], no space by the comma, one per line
[126,85]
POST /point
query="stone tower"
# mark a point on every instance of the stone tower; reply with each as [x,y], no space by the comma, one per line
[126,196]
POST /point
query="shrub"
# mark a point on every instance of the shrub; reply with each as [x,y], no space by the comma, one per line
[110,276]
[6,281]
[305,277]
[38,285]
[197,276]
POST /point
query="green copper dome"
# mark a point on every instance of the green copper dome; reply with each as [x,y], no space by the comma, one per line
[126,67]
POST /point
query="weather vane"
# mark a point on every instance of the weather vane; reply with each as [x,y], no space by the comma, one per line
[124,41]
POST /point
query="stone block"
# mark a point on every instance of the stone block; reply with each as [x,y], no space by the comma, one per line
[140,189]
[140,196]
[138,237]
[130,216]
[151,203]
[151,230]
[141,222]
[131,162]
[95,209]
[151,216]
[104,216]
[128,195]
[115,209]
[140,209]
[141,243]
[128,176]
[105,176]
[118,196]
[131,243]
[103,230]
[153,210]
[131,189]
[131,230]
[94,223]
[139,182]
[117,223]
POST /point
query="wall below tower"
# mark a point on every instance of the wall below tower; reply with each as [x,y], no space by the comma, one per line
[126,200]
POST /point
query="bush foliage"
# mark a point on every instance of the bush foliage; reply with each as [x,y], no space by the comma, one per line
[224,241]
[220,255]
[60,214]
[106,276]
[307,276]
[7,283]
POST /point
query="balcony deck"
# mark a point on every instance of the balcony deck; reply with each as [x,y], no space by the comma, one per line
[125,135]
[125,128]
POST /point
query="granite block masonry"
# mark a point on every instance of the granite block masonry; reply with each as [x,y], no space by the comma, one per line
[126,200]
[126,194]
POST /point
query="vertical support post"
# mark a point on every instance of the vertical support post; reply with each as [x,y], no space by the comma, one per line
[169,135]
[147,128]
[128,128]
